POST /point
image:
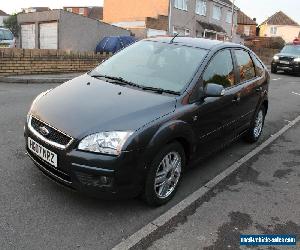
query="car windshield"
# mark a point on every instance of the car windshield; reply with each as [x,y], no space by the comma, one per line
[291,49]
[6,35]
[154,65]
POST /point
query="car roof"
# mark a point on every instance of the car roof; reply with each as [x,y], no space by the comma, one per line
[293,44]
[193,42]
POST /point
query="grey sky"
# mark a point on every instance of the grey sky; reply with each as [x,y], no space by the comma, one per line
[260,9]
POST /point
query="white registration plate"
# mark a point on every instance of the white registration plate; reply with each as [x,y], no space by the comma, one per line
[42,152]
[284,62]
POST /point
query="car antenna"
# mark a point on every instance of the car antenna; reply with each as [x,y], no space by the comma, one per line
[176,35]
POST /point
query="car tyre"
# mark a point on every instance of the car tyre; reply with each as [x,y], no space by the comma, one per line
[274,69]
[257,125]
[164,175]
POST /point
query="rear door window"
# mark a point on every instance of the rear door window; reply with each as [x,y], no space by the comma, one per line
[220,70]
[245,65]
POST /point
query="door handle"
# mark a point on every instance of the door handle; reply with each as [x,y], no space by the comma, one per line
[259,89]
[236,99]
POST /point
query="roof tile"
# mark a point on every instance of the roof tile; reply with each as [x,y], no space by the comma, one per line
[280,18]
[243,19]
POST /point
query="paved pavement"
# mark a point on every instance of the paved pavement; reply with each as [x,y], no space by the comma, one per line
[36,213]
[52,78]
[262,197]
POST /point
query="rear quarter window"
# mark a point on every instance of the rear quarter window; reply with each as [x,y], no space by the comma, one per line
[259,68]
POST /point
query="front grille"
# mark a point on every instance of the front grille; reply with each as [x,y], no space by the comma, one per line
[286,58]
[54,135]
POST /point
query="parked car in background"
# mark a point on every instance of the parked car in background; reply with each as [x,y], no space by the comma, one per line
[112,44]
[7,39]
[132,125]
[288,60]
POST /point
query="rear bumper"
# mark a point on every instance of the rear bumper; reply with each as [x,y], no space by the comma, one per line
[93,174]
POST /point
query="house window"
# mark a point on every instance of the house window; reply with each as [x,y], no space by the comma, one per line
[273,30]
[229,17]
[217,12]
[70,9]
[247,30]
[81,11]
[181,4]
[201,7]
[181,31]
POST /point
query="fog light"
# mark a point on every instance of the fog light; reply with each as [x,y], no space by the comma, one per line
[94,180]
[105,180]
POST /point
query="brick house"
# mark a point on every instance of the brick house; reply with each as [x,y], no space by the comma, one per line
[143,17]
[94,12]
[209,18]
[280,25]
[246,27]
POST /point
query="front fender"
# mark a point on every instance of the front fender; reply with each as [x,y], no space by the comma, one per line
[168,132]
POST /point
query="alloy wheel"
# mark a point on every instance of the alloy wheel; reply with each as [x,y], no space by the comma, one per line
[259,121]
[167,175]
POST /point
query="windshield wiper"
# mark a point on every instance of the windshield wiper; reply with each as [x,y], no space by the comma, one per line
[122,81]
[116,80]
[160,90]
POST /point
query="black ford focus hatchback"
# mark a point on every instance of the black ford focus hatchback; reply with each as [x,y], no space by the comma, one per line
[132,125]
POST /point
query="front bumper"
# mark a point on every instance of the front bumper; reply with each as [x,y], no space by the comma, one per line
[83,171]
[292,67]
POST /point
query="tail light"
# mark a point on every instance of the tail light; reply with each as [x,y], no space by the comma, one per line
[297,41]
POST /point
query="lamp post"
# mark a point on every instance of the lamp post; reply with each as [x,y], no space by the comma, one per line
[170,16]
[232,20]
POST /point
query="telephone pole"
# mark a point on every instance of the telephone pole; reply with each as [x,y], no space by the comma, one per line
[232,20]
[170,15]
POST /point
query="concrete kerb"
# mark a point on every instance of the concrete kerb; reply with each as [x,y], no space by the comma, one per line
[31,81]
[157,225]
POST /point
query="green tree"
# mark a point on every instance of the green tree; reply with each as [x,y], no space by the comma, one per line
[12,23]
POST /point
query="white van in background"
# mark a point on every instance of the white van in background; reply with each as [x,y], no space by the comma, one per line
[7,39]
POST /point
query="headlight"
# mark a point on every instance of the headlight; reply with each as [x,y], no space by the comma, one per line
[297,60]
[106,142]
[276,58]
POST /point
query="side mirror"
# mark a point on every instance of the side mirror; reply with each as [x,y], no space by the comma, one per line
[213,90]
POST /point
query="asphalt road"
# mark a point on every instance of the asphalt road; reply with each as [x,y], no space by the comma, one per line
[36,213]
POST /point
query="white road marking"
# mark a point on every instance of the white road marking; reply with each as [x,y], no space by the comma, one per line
[190,200]
[276,79]
[295,93]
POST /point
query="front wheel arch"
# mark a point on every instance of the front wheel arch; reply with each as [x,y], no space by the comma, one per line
[174,131]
